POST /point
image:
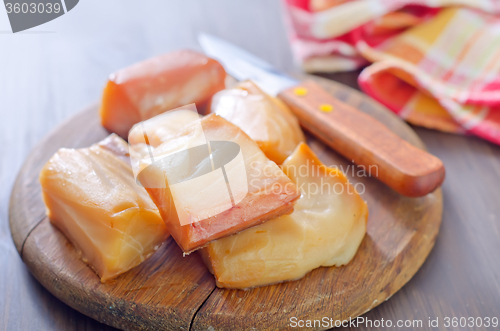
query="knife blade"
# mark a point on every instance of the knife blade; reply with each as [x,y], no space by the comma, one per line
[243,65]
[356,135]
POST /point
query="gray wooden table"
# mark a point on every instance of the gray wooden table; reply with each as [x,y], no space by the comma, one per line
[50,72]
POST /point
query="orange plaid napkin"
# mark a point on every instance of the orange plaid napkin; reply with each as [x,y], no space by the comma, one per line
[438,68]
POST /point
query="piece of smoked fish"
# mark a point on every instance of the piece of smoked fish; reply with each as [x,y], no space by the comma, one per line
[325,229]
[162,83]
[267,120]
[211,180]
[92,197]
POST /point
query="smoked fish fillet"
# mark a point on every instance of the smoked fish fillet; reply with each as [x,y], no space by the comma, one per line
[325,229]
[267,120]
[92,197]
[165,82]
[211,180]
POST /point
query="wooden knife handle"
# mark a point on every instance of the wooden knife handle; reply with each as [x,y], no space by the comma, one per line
[361,138]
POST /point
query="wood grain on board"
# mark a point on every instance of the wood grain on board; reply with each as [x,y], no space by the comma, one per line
[169,291]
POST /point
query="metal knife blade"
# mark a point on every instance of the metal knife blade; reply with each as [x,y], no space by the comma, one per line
[243,65]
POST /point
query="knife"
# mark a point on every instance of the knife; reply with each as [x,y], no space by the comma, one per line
[356,135]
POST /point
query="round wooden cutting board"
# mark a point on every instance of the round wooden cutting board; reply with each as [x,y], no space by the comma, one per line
[169,291]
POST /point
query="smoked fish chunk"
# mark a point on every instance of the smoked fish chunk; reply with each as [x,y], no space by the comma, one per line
[92,197]
[211,180]
[267,120]
[325,229]
[165,82]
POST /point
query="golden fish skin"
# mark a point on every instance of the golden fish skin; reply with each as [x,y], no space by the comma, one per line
[325,229]
[92,197]
[267,120]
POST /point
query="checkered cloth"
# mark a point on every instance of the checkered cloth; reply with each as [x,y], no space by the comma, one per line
[435,67]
